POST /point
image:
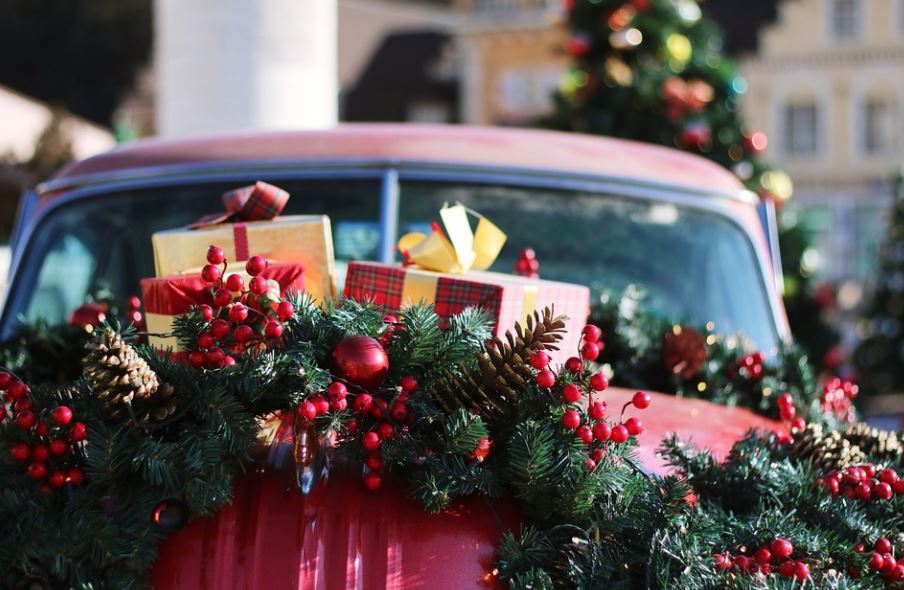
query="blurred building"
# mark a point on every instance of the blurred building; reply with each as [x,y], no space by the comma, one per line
[827,86]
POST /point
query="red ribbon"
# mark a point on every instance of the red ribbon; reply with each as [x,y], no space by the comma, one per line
[258,202]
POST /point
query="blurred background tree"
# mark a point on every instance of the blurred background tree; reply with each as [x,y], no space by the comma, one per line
[880,357]
[655,71]
[87,51]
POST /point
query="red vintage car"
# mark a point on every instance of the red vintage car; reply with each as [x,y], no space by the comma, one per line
[601,212]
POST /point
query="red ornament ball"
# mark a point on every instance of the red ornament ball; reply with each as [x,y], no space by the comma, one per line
[641,400]
[781,548]
[539,360]
[78,432]
[337,390]
[546,378]
[256,265]
[620,434]
[373,481]
[571,419]
[360,360]
[306,411]
[215,255]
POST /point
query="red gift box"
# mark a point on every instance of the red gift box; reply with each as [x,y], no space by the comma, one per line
[507,298]
[167,297]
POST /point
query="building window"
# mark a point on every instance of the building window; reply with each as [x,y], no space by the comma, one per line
[879,125]
[801,129]
[845,18]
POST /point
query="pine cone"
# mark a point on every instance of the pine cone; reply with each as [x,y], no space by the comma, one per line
[827,452]
[683,351]
[503,369]
[881,444]
[122,379]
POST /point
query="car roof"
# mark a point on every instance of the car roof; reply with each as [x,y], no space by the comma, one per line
[526,149]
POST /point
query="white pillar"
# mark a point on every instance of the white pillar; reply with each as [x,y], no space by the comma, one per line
[244,65]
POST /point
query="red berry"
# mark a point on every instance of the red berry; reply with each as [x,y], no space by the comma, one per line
[602,431]
[40,452]
[243,333]
[585,434]
[743,562]
[786,569]
[575,365]
[787,412]
[889,476]
[798,424]
[385,430]
[897,574]
[801,571]
[863,490]
[235,282]
[724,562]
[59,447]
[258,285]
[285,310]
[219,329]
[539,360]
[899,487]
[641,400]
[215,357]
[17,390]
[75,477]
[78,432]
[620,434]
[62,415]
[883,545]
[25,420]
[597,410]
[374,461]
[408,384]
[590,464]
[238,313]
[197,359]
[307,411]
[591,333]
[599,382]
[215,255]
[338,405]
[273,330]
[228,361]
[206,311]
[370,441]
[205,340]
[5,379]
[37,470]
[859,548]
[634,426]
[23,405]
[546,378]
[785,400]
[571,419]
[883,491]
[762,556]
[337,390]
[832,485]
[222,297]
[363,403]
[2,413]
[373,481]
[255,265]
[876,561]
[589,351]
[57,479]
[571,393]
[889,562]
[20,451]
[211,273]
[321,404]
[781,548]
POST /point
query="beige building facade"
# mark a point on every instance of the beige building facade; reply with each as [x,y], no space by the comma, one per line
[827,86]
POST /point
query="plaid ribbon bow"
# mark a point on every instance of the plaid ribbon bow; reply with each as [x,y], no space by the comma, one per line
[257,202]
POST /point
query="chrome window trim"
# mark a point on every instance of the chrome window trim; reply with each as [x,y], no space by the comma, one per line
[392,173]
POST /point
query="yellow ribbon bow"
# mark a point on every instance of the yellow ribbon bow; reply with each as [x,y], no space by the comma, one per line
[462,250]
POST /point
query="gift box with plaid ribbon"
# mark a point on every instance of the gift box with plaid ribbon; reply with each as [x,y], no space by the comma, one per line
[507,298]
[250,226]
[167,297]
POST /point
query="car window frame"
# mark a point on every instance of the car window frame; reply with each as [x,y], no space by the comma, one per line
[391,174]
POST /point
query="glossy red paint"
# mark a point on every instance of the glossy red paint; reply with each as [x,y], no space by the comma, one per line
[343,537]
[530,149]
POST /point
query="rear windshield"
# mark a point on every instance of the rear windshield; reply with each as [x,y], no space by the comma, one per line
[694,265]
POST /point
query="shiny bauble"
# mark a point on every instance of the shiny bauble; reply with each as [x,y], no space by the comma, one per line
[170,516]
[360,360]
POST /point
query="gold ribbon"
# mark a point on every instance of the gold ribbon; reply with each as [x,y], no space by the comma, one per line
[462,250]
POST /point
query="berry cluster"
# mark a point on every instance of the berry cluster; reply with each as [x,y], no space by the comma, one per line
[241,318]
[134,315]
[838,396]
[863,482]
[588,423]
[787,411]
[774,558]
[527,264]
[881,561]
[47,440]
[750,366]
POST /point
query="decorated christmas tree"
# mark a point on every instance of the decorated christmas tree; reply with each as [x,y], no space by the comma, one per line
[881,353]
